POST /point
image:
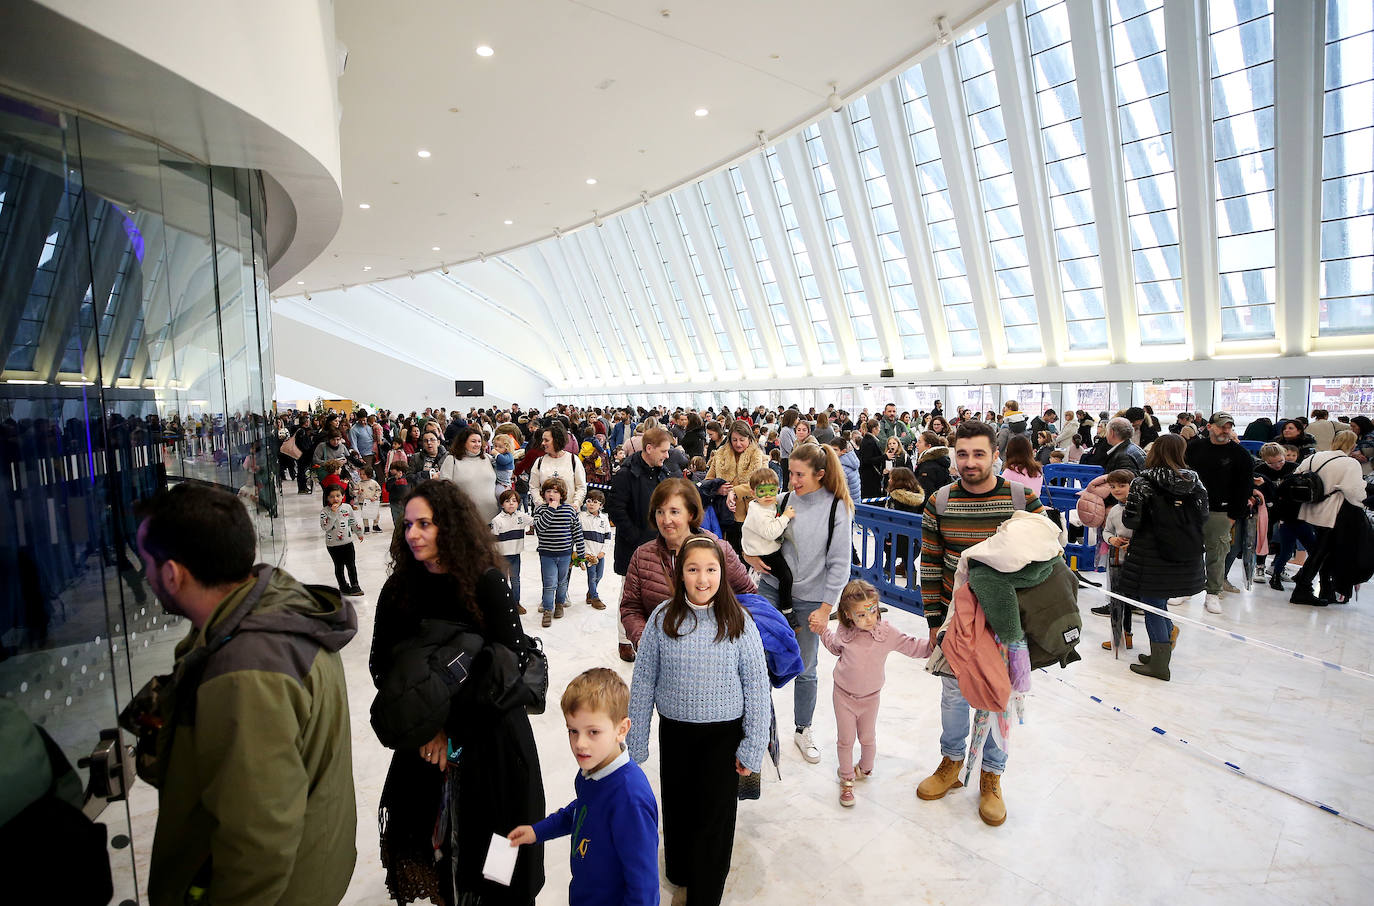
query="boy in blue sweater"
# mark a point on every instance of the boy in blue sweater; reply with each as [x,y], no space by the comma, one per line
[614,819]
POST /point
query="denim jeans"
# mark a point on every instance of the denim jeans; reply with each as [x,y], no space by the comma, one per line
[1290,533]
[513,561]
[553,569]
[955,722]
[595,571]
[1157,627]
[804,686]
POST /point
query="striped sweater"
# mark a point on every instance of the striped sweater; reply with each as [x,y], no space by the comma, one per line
[559,529]
[968,519]
[596,531]
[509,529]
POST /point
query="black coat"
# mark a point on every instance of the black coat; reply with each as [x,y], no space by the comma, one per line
[871,465]
[932,470]
[1146,572]
[1124,456]
[628,506]
[499,783]
[694,442]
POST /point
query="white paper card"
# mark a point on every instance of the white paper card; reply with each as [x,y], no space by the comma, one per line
[500,863]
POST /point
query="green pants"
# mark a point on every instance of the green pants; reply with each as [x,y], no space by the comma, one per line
[1216,541]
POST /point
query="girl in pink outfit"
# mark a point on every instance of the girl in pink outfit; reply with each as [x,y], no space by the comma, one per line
[862,645]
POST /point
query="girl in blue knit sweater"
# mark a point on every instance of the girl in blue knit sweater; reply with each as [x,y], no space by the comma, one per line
[701,664]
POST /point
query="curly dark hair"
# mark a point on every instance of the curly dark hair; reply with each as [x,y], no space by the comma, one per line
[458,449]
[467,548]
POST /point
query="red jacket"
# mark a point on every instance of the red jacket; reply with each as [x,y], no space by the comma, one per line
[648,582]
[974,655]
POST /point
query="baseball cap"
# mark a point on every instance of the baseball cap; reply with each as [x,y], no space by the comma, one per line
[1221,417]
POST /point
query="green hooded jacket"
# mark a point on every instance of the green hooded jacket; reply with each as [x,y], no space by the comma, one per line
[260,786]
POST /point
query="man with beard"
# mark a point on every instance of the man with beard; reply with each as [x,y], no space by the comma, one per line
[255,799]
[978,503]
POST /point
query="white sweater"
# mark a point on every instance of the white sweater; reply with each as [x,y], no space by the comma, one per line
[477,478]
[567,467]
[1342,479]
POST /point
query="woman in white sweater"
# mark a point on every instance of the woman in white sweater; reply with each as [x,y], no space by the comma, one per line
[559,463]
[469,467]
[1342,483]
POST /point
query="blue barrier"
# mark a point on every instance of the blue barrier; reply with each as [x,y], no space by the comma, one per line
[1253,446]
[1063,483]
[1070,474]
[884,536]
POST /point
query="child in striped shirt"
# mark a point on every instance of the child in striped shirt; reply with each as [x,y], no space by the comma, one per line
[560,532]
[509,527]
[596,532]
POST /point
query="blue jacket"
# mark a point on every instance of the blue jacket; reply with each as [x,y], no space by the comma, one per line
[850,461]
[780,648]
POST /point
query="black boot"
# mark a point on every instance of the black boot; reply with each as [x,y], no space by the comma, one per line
[1302,594]
[1276,582]
[1158,663]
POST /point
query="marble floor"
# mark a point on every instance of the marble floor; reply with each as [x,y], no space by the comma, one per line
[1101,809]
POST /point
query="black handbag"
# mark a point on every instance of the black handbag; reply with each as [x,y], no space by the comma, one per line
[518,677]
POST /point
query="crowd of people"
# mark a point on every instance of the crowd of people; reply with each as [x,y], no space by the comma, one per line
[731,532]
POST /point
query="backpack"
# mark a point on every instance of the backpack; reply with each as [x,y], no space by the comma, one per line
[1305,487]
[830,532]
[1178,535]
[1018,497]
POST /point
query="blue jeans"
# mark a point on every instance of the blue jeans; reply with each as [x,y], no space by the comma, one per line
[1157,627]
[804,686]
[513,561]
[1290,533]
[553,568]
[594,573]
[954,729]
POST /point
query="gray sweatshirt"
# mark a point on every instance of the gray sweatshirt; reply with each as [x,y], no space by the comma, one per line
[823,574]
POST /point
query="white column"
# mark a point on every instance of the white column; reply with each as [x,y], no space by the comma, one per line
[1294,395]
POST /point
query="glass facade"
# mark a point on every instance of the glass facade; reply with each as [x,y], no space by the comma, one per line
[135,329]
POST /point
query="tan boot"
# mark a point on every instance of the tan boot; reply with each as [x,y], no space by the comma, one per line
[991,808]
[945,778]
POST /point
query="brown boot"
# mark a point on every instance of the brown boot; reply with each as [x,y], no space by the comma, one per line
[991,808]
[596,603]
[945,778]
[627,652]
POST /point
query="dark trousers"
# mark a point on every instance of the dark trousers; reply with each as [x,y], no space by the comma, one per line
[733,534]
[1316,565]
[302,477]
[783,573]
[344,557]
[699,787]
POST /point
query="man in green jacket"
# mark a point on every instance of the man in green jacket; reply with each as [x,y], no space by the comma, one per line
[256,800]
[890,426]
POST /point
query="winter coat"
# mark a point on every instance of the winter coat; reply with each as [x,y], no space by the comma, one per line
[694,442]
[649,581]
[1124,455]
[1015,423]
[427,670]
[271,717]
[871,464]
[1146,572]
[780,647]
[628,506]
[849,461]
[736,469]
[1341,480]
[932,469]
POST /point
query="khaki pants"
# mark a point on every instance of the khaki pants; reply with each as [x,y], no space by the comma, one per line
[1216,541]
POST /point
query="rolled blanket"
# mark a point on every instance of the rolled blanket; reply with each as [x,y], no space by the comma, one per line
[996,591]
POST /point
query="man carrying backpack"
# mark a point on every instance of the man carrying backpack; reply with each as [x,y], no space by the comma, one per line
[977,504]
[1225,469]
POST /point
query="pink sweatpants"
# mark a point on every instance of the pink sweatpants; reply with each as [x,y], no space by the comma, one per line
[855,716]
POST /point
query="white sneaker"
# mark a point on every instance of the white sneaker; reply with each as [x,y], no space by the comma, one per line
[1213,604]
[806,745]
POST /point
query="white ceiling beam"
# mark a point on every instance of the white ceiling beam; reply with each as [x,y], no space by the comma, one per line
[641,240]
[758,182]
[595,315]
[704,243]
[1020,117]
[555,299]
[594,258]
[889,122]
[838,136]
[578,317]
[1091,34]
[1299,61]
[660,213]
[721,191]
[1190,113]
[613,237]
[801,185]
[956,152]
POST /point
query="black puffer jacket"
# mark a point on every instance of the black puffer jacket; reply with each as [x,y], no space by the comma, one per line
[932,469]
[1149,570]
[416,693]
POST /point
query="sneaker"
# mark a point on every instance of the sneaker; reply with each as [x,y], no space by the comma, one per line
[354,592]
[1213,604]
[1259,571]
[806,745]
[847,793]
[860,775]
[558,611]
[1230,589]
[366,530]
[1104,611]
[546,620]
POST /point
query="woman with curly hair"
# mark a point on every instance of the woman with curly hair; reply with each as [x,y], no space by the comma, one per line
[445,567]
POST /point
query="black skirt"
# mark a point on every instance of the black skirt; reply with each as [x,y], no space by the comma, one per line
[700,798]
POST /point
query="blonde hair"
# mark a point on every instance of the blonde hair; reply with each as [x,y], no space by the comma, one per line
[599,690]
[856,592]
[1344,441]
[1271,449]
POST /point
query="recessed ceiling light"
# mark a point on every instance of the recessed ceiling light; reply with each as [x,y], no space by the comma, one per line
[367,267]
[300,283]
[434,248]
[509,222]
[364,206]
[702,111]
[484,51]
[422,153]
[591,182]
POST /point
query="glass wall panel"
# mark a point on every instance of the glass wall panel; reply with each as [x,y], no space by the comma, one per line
[1342,396]
[1169,398]
[1248,400]
[1091,398]
[122,270]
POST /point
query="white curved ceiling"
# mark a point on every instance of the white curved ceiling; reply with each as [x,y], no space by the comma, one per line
[575,90]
